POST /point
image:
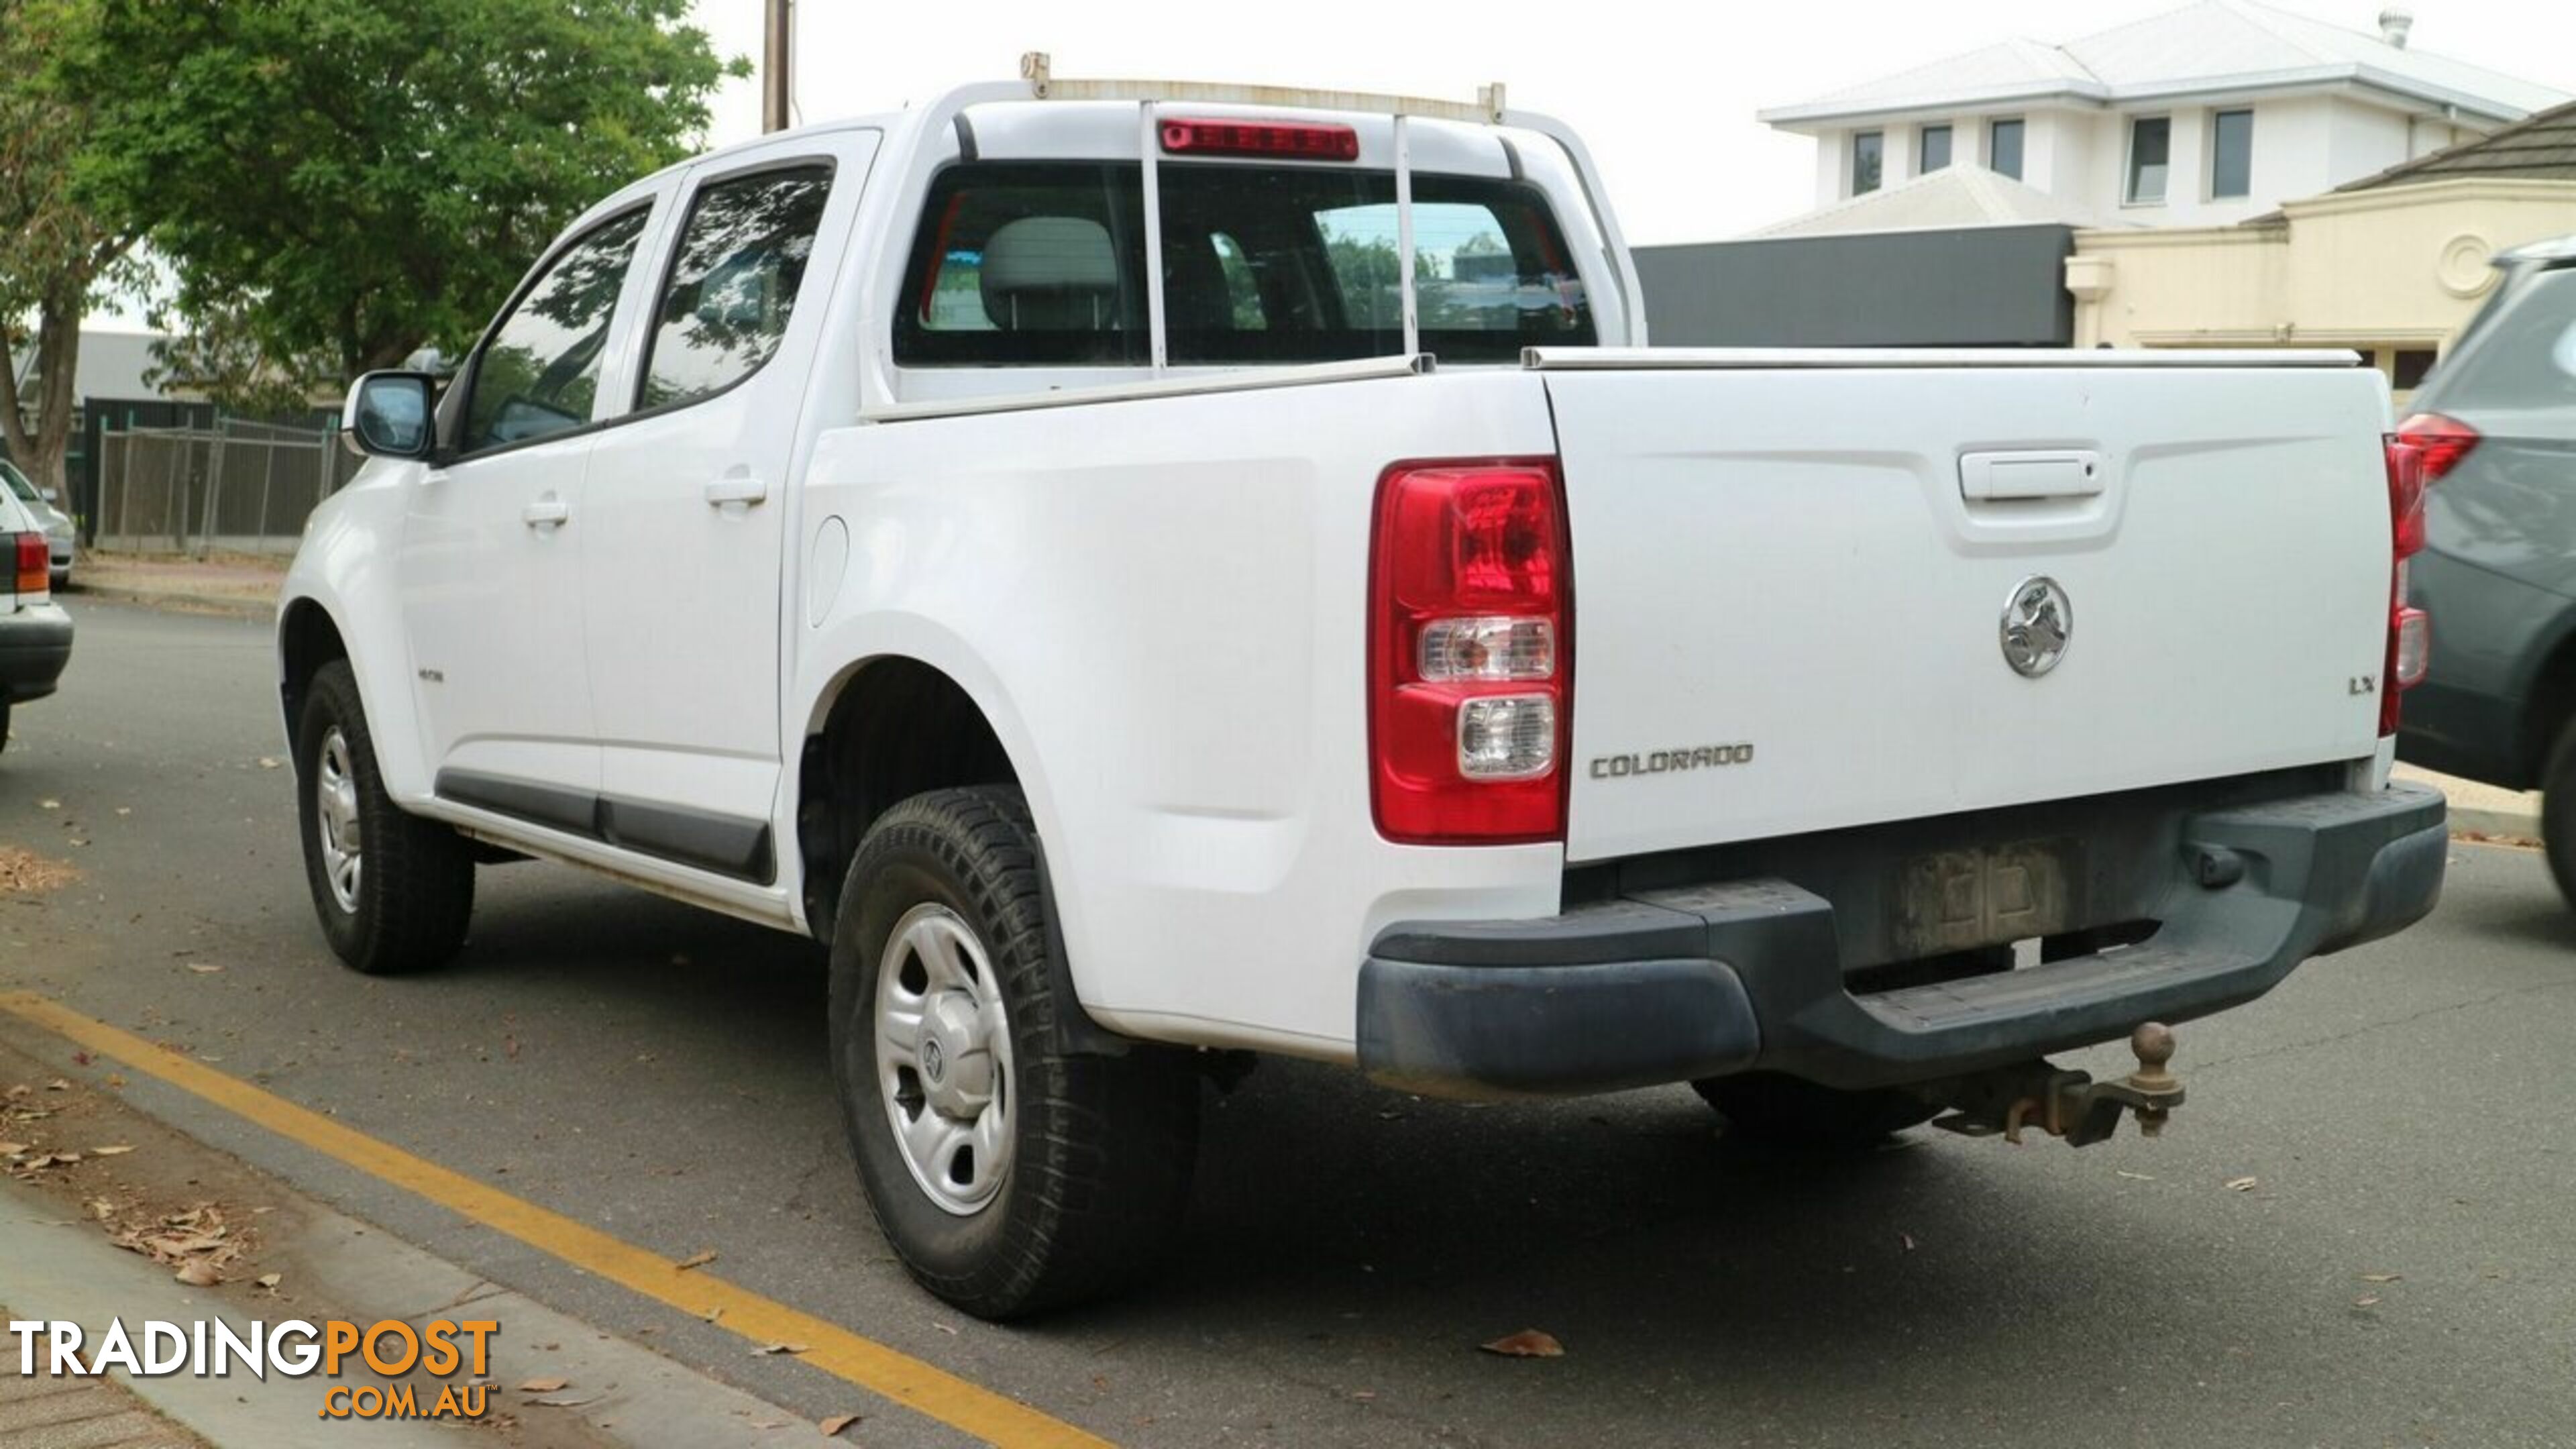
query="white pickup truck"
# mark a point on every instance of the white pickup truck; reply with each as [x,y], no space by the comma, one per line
[1154,572]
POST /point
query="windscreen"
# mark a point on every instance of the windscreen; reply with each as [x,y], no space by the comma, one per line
[1042,263]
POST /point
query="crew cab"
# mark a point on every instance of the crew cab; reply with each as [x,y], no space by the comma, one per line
[1153,574]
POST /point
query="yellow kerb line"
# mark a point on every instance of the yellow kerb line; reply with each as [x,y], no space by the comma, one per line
[835,1350]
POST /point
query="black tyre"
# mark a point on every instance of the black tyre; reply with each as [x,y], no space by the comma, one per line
[1785,1111]
[394,891]
[2558,811]
[1009,1176]
[4,725]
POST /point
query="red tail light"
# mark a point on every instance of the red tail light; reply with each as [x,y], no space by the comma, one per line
[1281,140]
[2443,441]
[1471,669]
[35,569]
[2410,633]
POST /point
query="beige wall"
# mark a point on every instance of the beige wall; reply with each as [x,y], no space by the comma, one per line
[2399,268]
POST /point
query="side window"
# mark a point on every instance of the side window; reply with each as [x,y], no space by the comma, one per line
[540,374]
[1025,264]
[733,282]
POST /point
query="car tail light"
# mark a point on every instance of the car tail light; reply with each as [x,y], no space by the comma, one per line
[2443,442]
[1280,140]
[35,569]
[2410,633]
[1471,616]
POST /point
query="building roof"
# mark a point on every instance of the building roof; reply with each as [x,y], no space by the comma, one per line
[1953,197]
[2213,45]
[111,365]
[2539,147]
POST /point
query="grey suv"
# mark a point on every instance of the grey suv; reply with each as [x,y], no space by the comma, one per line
[2497,426]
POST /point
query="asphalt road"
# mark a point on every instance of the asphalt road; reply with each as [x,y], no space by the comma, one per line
[2404,1109]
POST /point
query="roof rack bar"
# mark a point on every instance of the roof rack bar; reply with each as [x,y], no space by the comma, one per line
[1036,69]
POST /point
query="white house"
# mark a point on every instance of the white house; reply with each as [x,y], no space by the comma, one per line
[2202,116]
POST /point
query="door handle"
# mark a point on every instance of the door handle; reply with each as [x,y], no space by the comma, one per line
[545,512]
[736,488]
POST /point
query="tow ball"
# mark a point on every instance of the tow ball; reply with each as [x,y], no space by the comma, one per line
[2062,1103]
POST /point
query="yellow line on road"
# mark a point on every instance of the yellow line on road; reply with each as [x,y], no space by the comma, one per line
[828,1346]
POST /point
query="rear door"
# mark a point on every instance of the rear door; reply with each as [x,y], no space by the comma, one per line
[682,596]
[1810,597]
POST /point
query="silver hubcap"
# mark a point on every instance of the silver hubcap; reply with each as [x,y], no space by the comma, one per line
[944,1059]
[335,800]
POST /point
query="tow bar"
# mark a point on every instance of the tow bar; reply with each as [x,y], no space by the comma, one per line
[2062,1103]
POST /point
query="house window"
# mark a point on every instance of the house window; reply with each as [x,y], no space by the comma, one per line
[2003,148]
[1934,151]
[2150,148]
[2408,366]
[1867,149]
[2231,154]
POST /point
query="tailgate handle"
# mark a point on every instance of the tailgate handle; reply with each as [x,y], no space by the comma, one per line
[2041,473]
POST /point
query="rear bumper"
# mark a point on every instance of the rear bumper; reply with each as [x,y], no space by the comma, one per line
[1703,980]
[35,644]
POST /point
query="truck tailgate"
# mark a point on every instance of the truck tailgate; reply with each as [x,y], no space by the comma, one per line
[1791,582]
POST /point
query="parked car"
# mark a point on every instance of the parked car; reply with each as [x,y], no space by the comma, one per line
[2496,423]
[1028,545]
[60,534]
[35,633]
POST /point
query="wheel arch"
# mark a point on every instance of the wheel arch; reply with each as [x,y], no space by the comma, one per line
[890,726]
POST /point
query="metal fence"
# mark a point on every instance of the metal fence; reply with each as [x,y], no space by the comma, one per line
[239,487]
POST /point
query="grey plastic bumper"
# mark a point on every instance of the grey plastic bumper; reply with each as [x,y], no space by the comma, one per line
[1707,980]
[35,645]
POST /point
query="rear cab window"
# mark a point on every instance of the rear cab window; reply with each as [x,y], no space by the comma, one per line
[1042,263]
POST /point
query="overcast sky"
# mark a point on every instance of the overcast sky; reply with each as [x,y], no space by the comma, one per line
[1665,93]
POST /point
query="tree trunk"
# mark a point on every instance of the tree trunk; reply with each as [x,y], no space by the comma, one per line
[58,322]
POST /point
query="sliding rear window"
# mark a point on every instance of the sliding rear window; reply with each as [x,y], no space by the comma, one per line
[1042,263]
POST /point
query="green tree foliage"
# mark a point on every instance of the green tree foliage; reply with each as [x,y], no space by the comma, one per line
[336,183]
[59,246]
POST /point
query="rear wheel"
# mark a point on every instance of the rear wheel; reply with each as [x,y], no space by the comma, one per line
[1009,1175]
[393,891]
[4,724]
[2558,811]
[1786,1111]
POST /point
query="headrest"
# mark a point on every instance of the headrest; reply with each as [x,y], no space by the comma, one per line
[1050,272]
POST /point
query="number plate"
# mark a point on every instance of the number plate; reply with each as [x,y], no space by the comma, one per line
[1957,899]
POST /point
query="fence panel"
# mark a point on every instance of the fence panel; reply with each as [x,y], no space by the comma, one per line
[239,487]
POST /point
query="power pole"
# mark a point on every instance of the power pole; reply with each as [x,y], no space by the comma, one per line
[778,56]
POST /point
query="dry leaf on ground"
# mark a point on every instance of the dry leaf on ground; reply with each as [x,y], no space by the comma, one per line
[1528,1343]
[698,1259]
[835,1424]
[778,1348]
[2243,1184]
[544,1386]
[2381,1277]
[200,1273]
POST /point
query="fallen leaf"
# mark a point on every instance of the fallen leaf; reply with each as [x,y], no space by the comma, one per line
[199,1273]
[544,1386]
[778,1348]
[1365,1396]
[1528,1343]
[832,1426]
[12,1149]
[2365,1300]
[2133,1176]
[268,762]
[770,1423]
[1907,1239]
[204,968]
[2242,1184]
[117,1150]
[2381,1277]
[713,1315]
[698,1259]
[566,1403]
[270,1281]
[58,1084]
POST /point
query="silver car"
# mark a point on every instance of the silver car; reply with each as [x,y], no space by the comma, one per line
[58,524]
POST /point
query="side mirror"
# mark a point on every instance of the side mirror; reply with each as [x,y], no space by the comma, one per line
[388,415]
[50,495]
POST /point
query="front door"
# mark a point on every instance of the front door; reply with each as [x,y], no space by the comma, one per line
[686,507]
[493,536]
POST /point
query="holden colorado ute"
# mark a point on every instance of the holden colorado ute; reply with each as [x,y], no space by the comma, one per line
[1152,572]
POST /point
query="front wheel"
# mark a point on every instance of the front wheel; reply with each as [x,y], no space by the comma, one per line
[2558,811]
[394,891]
[1009,1175]
[1786,1111]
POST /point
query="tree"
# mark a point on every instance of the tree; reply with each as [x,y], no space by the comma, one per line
[336,183]
[59,244]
